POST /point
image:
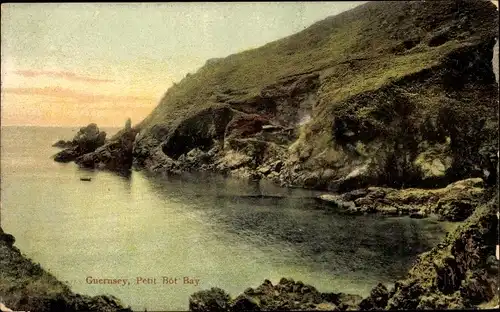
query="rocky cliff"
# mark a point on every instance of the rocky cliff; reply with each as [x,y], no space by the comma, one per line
[389,93]
[386,96]
[25,286]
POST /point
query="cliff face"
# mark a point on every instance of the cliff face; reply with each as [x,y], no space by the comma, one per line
[394,93]
[461,272]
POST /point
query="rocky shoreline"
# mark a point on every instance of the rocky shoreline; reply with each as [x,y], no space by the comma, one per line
[423,128]
[26,286]
[459,273]
[455,202]
[430,120]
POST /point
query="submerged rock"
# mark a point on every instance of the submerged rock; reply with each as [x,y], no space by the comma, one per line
[63,144]
[336,201]
[67,155]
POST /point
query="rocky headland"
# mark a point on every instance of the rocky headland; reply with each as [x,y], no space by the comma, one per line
[85,141]
[387,94]
[90,149]
[389,108]
[26,286]
[394,94]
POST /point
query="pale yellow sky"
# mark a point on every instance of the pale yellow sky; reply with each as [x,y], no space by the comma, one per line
[72,64]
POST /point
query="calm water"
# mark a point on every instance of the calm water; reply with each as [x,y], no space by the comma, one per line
[198,227]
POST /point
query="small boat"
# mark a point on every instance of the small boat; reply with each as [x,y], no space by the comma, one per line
[85,179]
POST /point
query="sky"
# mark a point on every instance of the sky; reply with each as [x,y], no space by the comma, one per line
[73,64]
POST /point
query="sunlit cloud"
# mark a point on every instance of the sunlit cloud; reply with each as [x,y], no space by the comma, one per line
[58,92]
[75,64]
[60,74]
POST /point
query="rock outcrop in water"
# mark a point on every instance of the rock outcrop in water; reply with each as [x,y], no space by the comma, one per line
[25,286]
[455,202]
[85,141]
[392,93]
[115,155]
[90,149]
[63,144]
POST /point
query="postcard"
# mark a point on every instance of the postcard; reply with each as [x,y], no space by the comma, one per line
[249,156]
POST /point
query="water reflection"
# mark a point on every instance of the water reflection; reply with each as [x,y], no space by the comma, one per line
[226,232]
[289,219]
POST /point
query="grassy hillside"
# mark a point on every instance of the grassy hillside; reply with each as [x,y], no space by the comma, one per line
[363,48]
[392,92]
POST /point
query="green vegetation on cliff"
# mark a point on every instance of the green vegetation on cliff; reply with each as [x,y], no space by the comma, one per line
[462,272]
[395,93]
[362,49]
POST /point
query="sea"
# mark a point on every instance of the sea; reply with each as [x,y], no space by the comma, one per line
[170,236]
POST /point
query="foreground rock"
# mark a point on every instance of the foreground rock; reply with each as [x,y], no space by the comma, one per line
[85,141]
[455,202]
[412,102]
[459,273]
[114,155]
[287,295]
[25,286]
